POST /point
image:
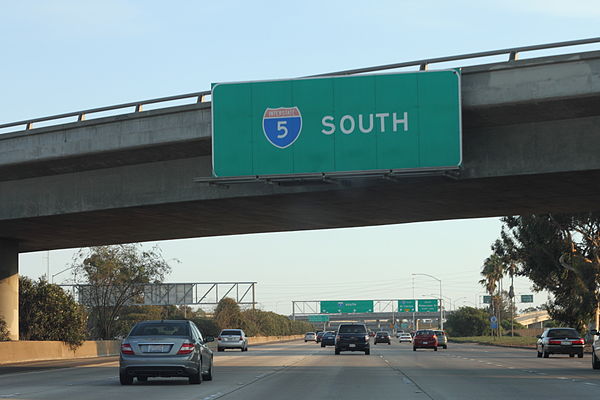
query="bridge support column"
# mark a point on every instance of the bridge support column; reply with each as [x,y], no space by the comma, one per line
[9,286]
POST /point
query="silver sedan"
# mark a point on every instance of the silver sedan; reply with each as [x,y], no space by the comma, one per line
[165,349]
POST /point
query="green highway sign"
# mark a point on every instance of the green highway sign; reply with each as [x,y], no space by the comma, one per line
[487,299]
[347,306]
[406,306]
[318,318]
[428,305]
[527,298]
[401,121]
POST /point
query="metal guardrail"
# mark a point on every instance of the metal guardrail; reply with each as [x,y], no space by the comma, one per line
[513,55]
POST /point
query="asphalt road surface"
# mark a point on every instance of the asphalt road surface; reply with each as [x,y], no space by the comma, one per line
[298,370]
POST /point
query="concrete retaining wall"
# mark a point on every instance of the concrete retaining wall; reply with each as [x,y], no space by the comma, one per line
[19,351]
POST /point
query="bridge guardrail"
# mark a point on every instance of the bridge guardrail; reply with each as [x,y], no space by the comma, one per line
[513,55]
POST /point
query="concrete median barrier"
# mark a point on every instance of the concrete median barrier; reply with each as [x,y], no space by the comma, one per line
[26,350]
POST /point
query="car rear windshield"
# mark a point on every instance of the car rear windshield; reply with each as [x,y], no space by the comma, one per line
[161,329]
[563,333]
[231,332]
[353,329]
[425,333]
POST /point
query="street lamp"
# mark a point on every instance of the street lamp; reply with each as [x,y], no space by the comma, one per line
[60,272]
[441,308]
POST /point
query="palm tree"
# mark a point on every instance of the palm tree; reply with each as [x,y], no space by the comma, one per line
[493,271]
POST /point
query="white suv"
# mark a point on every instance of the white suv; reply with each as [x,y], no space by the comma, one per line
[232,339]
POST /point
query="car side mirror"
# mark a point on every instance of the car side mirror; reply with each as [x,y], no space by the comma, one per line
[209,339]
[594,332]
[539,336]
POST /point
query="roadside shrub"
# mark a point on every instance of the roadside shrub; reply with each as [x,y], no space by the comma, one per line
[3,331]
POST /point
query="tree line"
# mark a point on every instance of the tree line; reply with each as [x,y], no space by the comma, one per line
[559,253]
[114,275]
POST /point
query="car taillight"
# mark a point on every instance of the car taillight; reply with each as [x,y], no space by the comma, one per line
[554,342]
[126,349]
[578,341]
[219,338]
[186,348]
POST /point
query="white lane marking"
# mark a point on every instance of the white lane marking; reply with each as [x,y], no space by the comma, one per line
[562,377]
[212,396]
[590,383]
[8,396]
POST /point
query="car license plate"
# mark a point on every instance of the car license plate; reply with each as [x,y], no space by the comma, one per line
[565,343]
[157,348]
[352,345]
[425,342]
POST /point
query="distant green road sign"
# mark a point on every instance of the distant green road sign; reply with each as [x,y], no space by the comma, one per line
[318,318]
[527,298]
[406,306]
[347,306]
[401,121]
[487,299]
[428,305]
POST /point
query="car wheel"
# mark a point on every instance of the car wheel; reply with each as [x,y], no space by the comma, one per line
[208,376]
[595,361]
[539,353]
[125,379]
[445,346]
[389,343]
[367,352]
[337,352]
[322,344]
[220,349]
[305,341]
[545,354]
[142,379]
[571,355]
[580,355]
[435,349]
[196,379]
[375,343]
[414,348]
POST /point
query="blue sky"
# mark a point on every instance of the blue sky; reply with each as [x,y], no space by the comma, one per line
[61,56]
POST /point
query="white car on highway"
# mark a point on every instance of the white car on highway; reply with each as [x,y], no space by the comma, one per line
[405,337]
[310,337]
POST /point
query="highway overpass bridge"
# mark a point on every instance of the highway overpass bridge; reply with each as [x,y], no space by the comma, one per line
[531,135]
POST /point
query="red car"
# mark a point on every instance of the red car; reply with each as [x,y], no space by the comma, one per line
[425,339]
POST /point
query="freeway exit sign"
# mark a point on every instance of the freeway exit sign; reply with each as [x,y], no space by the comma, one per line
[428,305]
[402,121]
[318,318]
[347,306]
[406,306]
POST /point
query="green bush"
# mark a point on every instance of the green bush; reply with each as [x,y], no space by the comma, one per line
[4,331]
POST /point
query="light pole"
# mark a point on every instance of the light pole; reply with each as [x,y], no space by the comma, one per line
[60,272]
[441,308]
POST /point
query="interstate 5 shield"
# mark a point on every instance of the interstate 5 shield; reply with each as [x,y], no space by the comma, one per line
[394,122]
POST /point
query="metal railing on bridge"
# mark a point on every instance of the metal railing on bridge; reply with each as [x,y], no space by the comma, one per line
[200,97]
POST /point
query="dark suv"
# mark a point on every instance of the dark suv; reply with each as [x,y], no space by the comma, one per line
[352,337]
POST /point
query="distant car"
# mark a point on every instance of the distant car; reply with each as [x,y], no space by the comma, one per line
[352,337]
[382,337]
[319,336]
[425,339]
[442,339]
[405,337]
[232,339]
[310,337]
[169,348]
[560,341]
[328,339]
